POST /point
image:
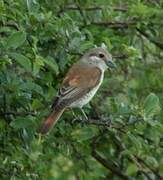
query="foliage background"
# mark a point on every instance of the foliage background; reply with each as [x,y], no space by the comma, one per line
[40,39]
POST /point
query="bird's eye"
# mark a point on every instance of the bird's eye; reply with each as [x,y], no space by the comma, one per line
[101,55]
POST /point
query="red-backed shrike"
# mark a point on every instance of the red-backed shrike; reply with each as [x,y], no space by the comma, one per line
[80,84]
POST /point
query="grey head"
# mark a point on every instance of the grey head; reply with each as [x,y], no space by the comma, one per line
[99,57]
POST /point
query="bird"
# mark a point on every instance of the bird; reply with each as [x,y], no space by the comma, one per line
[79,85]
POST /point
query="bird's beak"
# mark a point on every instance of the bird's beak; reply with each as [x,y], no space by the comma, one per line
[111,64]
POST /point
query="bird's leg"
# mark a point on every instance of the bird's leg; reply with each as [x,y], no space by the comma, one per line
[73,113]
[84,114]
[77,118]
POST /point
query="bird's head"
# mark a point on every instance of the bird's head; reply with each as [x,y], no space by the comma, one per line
[99,57]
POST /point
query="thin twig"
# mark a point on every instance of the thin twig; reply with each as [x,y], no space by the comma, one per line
[148,166]
[10,24]
[142,166]
[109,165]
[82,14]
[157,43]
[95,8]
[18,113]
[115,24]
[120,56]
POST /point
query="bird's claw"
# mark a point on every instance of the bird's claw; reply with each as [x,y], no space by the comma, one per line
[80,120]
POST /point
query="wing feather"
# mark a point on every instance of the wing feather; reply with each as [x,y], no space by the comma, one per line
[79,80]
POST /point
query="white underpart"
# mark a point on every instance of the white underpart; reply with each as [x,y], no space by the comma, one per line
[86,98]
[99,63]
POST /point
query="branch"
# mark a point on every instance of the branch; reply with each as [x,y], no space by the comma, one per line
[143,33]
[115,24]
[18,113]
[96,8]
[121,56]
[115,56]
[148,166]
[91,8]
[10,24]
[99,122]
[82,14]
[140,163]
[109,165]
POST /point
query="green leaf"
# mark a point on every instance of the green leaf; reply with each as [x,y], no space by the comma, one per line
[22,60]
[151,105]
[51,63]
[152,161]
[21,122]
[37,64]
[132,169]
[31,86]
[84,134]
[135,141]
[16,39]
[36,104]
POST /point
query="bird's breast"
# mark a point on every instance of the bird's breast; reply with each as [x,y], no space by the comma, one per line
[87,97]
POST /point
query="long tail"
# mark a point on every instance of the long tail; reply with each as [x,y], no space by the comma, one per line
[50,121]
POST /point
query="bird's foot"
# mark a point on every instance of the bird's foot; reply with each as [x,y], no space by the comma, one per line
[77,119]
[80,119]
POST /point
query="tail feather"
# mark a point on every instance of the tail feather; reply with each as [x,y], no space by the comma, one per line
[50,121]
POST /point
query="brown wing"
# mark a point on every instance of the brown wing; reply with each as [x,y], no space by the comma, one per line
[79,80]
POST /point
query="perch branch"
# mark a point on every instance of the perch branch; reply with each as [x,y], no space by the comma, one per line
[103,123]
